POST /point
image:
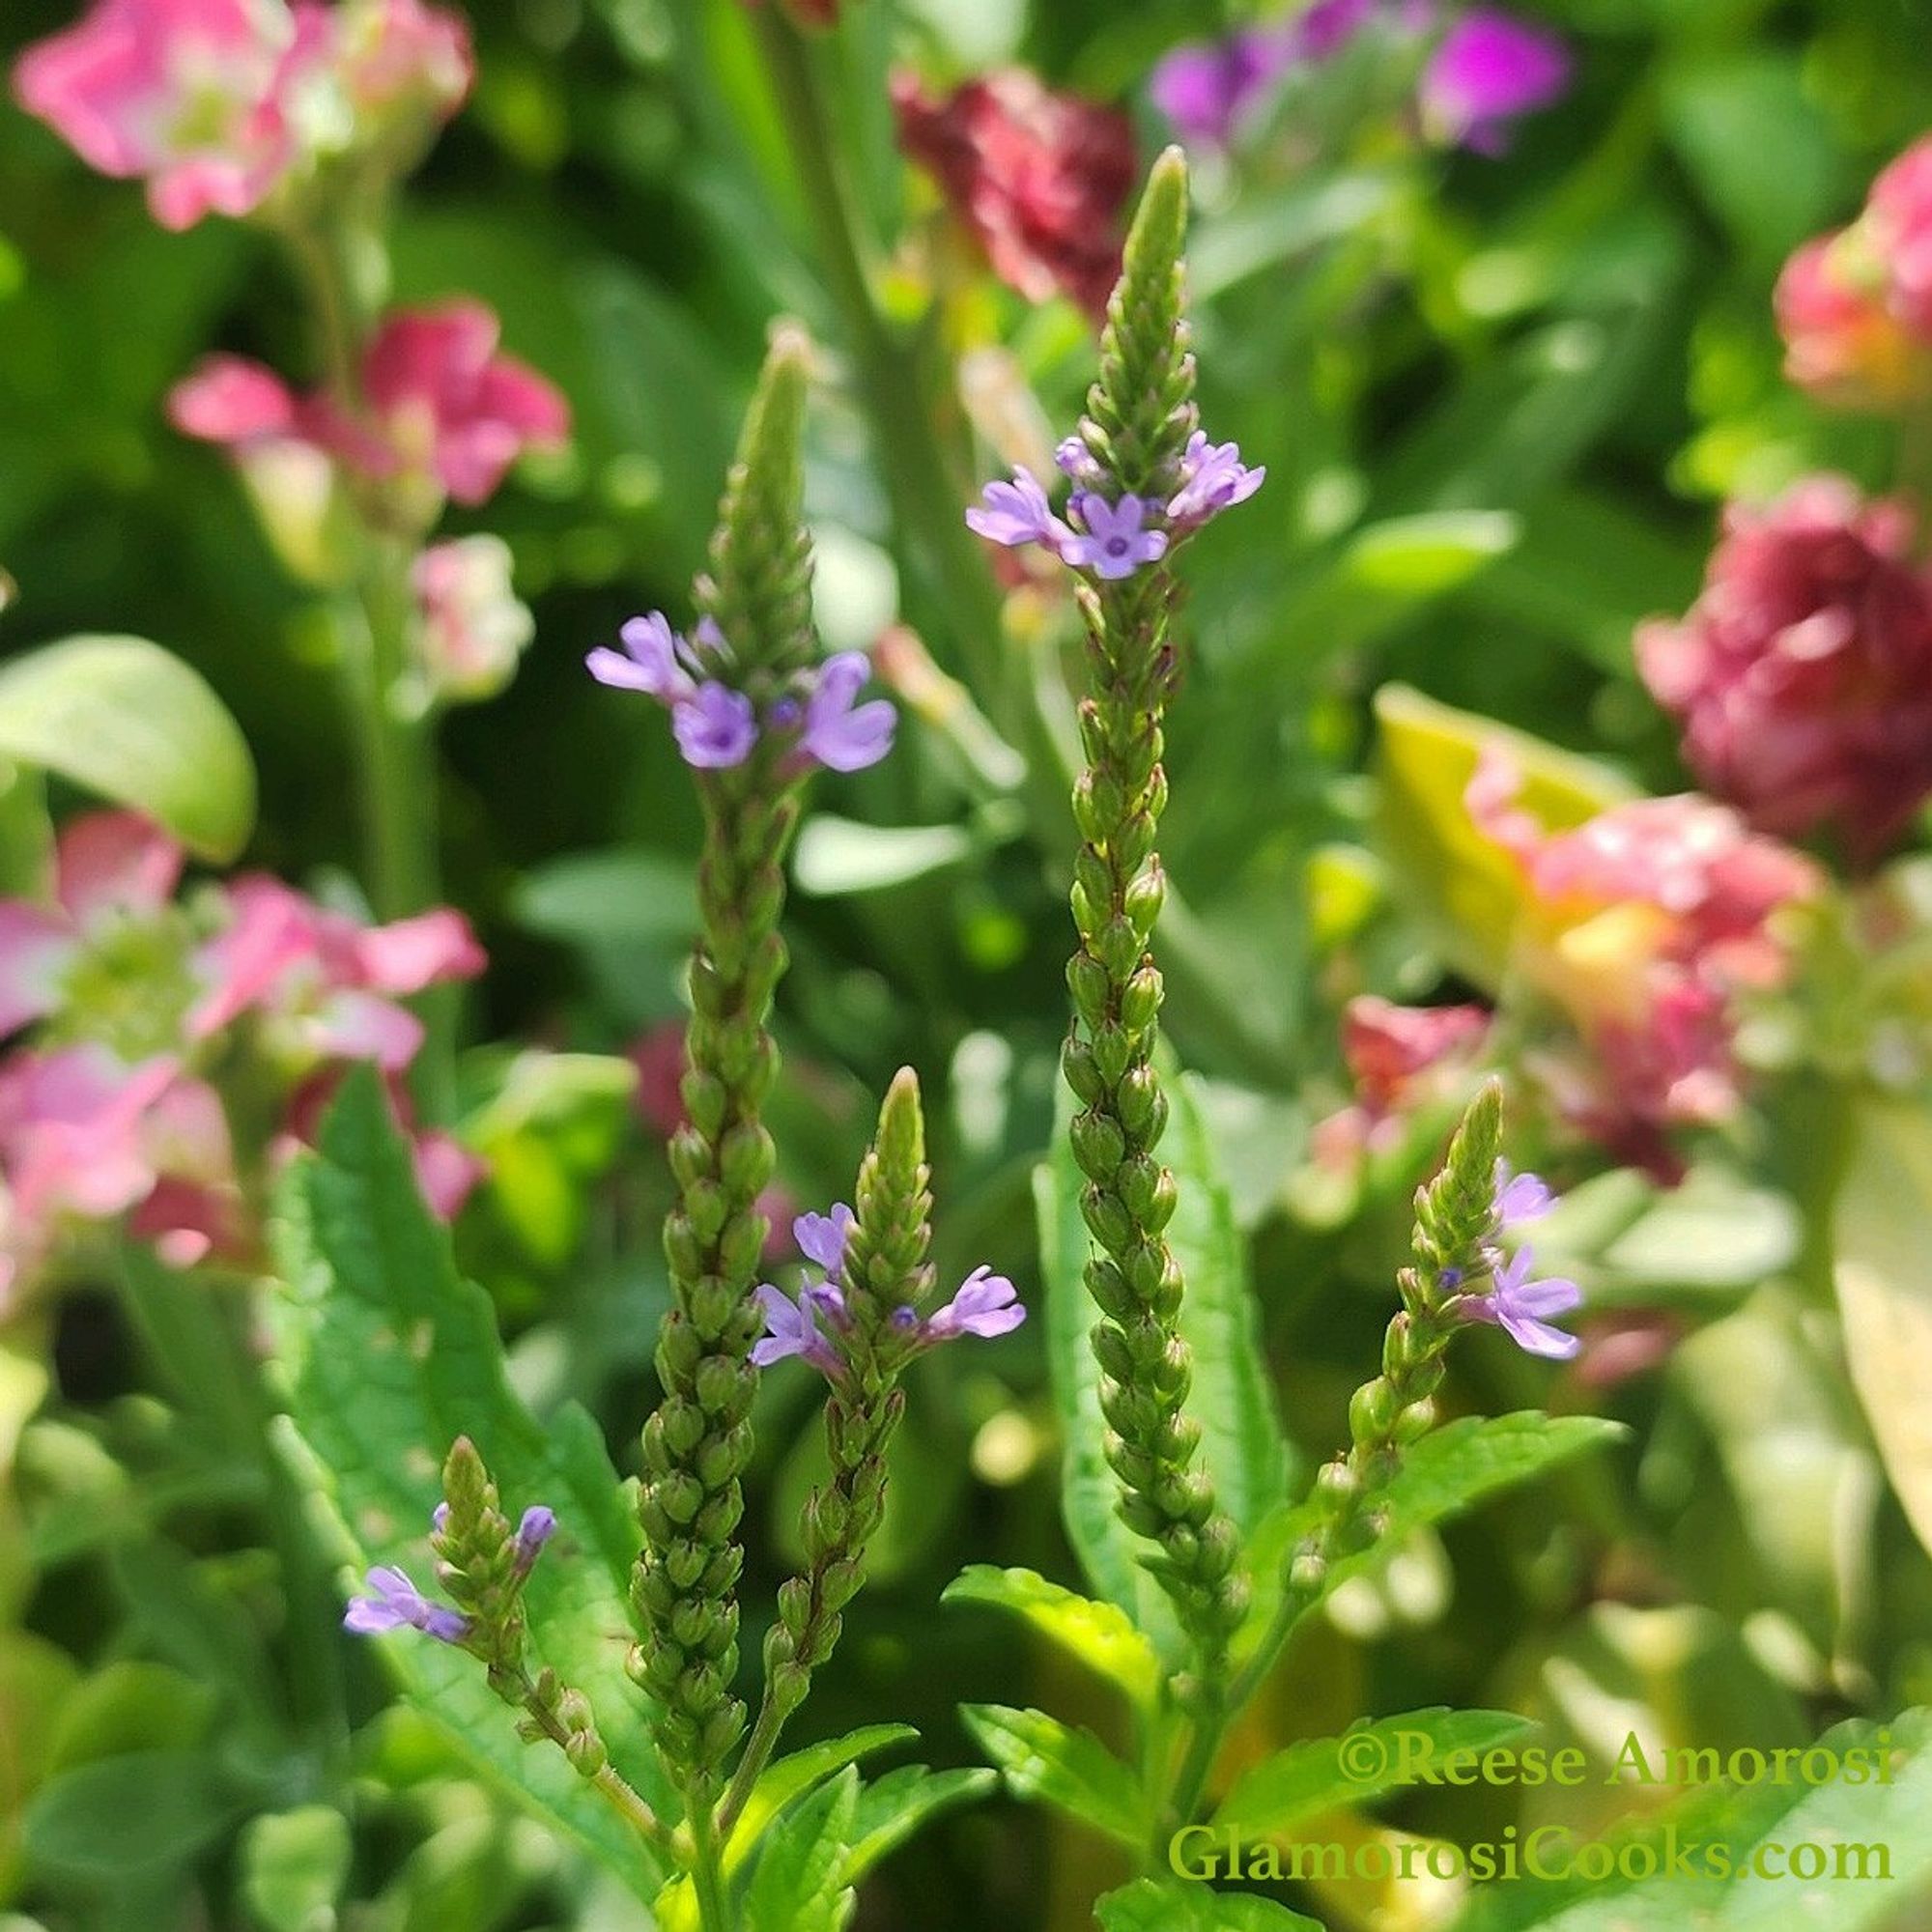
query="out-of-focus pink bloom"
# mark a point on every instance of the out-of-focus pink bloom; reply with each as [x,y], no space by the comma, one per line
[200,97]
[1040,178]
[1488,70]
[1899,233]
[446,1171]
[1207,88]
[472,625]
[1400,1058]
[1643,926]
[1840,340]
[398,56]
[1802,675]
[658,1054]
[439,405]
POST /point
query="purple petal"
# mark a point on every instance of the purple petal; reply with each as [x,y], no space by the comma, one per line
[1520,1197]
[1489,69]
[838,737]
[715,727]
[822,1238]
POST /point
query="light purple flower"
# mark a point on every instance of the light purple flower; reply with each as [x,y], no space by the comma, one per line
[1520,1197]
[1207,87]
[439,1518]
[792,1329]
[1214,478]
[822,1238]
[1487,69]
[1017,513]
[985,1304]
[1519,1305]
[1115,543]
[537,1527]
[394,1601]
[1074,458]
[655,660]
[837,734]
[716,726]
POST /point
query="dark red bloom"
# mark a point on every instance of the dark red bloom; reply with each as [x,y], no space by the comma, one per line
[1042,179]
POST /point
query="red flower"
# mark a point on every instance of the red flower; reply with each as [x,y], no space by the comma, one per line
[1039,178]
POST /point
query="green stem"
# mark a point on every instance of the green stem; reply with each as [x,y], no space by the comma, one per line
[759,1750]
[707,1883]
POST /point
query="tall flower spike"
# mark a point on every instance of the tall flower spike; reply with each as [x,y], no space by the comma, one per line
[882,1268]
[697,1442]
[1140,419]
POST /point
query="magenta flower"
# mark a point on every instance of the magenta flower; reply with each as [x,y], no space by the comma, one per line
[1018,513]
[837,734]
[470,625]
[196,96]
[1207,88]
[393,1602]
[1802,675]
[1487,70]
[984,1304]
[1114,543]
[1520,1307]
[1213,479]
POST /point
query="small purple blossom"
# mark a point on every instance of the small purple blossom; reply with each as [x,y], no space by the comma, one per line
[393,1602]
[1116,541]
[792,1329]
[1520,1197]
[985,1304]
[1486,70]
[822,1238]
[1017,513]
[439,1518]
[1214,478]
[1074,460]
[715,727]
[1518,1306]
[839,735]
[655,660]
[537,1527]
[1207,87]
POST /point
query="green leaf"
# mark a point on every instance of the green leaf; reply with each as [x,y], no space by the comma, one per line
[1098,1635]
[1167,1905]
[121,717]
[1319,1775]
[1847,1820]
[1241,1440]
[892,1808]
[1462,885]
[800,1885]
[1070,1770]
[389,1356]
[294,1865]
[37,1680]
[1882,1232]
[132,1705]
[119,1817]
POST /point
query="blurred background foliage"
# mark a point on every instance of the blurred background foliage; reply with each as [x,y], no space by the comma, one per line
[1499,399]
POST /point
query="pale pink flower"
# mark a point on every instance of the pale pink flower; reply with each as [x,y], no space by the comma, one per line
[1898,224]
[399,56]
[1401,1059]
[471,627]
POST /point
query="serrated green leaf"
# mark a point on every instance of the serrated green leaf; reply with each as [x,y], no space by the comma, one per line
[799,1884]
[124,718]
[1167,1905]
[1070,1770]
[1096,1635]
[1462,886]
[1318,1775]
[1242,1444]
[892,1808]
[1882,1232]
[388,1357]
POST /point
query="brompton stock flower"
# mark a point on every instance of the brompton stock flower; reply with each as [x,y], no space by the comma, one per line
[1855,306]
[1802,675]
[221,106]
[1109,532]
[1039,179]
[812,716]
[1644,928]
[813,1323]
[135,993]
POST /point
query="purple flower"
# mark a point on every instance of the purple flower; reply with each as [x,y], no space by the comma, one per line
[716,726]
[1116,544]
[655,660]
[792,1329]
[985,1304]
[1520,1197]
[439,1518]
[1214,478]
[1207,87]
[394,1602]
[1326,27]
[822,1238]
[1519,1305]
[1017,513]
[1487,69]
[1074,458]
[842,737]
[537,1527]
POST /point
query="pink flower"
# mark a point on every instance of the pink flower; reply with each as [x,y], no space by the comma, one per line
[471,627]
[395,57]
[1489,69]
[1898,224]
[1641,928]
[1040,178]
[197,97]
[1802,675]
[1401,1059]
